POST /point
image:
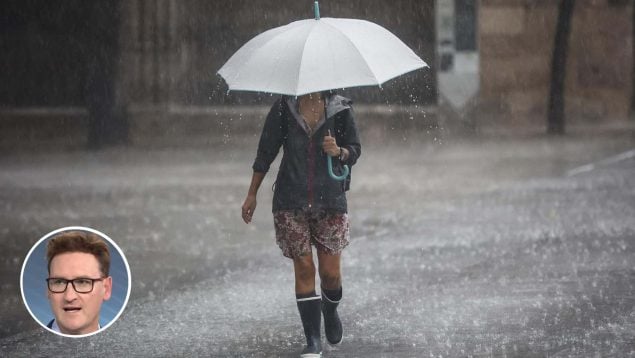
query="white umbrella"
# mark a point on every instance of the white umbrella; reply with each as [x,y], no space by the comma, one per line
[314,55]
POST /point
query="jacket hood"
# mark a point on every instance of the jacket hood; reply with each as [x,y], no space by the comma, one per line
[336,103]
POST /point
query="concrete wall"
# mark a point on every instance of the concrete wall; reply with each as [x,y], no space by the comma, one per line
[168,55]
[516,45]
[172,49]
[600,77]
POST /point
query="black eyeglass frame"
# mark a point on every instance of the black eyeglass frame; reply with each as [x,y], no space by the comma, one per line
[92,283]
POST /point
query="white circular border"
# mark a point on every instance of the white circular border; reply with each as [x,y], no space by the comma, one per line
[76,228]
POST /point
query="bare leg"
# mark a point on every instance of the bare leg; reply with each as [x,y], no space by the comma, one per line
[304,274]
[330,274]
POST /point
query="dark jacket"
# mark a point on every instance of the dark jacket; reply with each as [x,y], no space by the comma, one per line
[303,181]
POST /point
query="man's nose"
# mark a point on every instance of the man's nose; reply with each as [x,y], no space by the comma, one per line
[70,293]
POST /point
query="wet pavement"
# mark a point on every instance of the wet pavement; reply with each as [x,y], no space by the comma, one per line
[505,246]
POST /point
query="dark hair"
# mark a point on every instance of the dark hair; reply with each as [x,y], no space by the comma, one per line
[80,241]
[327,93]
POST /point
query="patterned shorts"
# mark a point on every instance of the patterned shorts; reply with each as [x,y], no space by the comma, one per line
[296,230]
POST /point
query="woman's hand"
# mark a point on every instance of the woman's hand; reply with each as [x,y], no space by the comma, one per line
[330,146]
[249,206]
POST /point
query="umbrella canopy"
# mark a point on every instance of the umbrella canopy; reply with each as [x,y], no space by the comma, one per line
[314,55]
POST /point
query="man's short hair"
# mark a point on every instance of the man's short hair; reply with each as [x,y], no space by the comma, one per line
[80,241]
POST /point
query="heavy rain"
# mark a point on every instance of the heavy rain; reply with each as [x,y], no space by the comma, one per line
[492,210]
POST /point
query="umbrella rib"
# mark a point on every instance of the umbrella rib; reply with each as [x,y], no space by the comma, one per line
[271,38]
[272,76]
[355,47]
[325,54]
[378,81]
[313,29]
[306,41]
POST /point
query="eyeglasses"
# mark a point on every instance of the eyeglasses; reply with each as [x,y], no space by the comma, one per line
[81,285]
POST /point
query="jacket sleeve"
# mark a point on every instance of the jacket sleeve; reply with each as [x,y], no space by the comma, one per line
[271,138]
[350,138]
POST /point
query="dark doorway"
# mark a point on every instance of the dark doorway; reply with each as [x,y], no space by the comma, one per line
[63,53]
[45,46]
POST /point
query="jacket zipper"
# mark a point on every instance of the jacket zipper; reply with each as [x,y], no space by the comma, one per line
[311,169]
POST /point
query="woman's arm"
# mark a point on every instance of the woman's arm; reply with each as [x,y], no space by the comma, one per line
[249,206]
[271,140]
[350,143]
[273,134]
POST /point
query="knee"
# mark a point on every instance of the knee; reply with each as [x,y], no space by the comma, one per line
[331,279]
[305,270]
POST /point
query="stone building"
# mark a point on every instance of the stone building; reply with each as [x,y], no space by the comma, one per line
[516,40]
[172,49]
[155,61]
[162,64]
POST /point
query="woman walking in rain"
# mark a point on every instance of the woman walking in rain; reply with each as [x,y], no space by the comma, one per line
[309,206]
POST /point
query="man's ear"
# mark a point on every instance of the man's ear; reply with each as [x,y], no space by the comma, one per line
[107,288]
[48,292]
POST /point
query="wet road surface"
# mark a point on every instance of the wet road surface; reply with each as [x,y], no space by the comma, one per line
[460,248]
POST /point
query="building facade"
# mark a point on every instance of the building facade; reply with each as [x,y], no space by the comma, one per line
[516,39]
[152,60]
[172,49]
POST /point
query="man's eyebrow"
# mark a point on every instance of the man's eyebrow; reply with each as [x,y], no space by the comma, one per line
[76,278]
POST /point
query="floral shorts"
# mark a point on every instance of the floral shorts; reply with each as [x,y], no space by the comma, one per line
[296,230]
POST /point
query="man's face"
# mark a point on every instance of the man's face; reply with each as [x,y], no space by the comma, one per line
[78,313]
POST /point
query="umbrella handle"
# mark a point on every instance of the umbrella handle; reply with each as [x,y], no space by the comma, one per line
[329,164]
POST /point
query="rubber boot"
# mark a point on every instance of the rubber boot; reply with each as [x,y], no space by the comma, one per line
[332,322]
[311,321]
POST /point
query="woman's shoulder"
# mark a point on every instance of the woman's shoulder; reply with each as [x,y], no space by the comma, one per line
[340,100]
[280,101]
[280,106]
[338,104]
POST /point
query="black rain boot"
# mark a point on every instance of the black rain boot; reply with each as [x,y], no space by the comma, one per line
[332,322]
[311,320]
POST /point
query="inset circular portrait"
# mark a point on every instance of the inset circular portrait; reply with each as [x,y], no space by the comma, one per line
[75,281]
